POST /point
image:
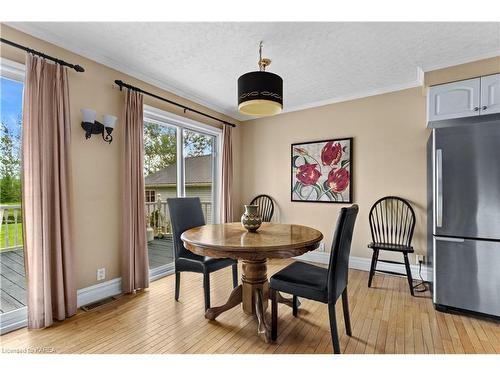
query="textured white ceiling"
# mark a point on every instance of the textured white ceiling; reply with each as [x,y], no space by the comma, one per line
[320,62]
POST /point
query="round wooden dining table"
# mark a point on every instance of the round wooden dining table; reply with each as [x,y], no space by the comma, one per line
[271,241]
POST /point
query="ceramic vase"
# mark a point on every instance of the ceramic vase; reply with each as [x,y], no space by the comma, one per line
[251,219]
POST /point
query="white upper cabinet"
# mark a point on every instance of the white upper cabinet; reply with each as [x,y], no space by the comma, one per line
[490,94]
[454,100]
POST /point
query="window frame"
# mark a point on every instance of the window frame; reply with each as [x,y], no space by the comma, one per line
[180,123]
[148,197]
[18,318]
[12,70]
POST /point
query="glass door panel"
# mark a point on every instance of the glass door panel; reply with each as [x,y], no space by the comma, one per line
[198,152]
[13,291]
[160,183]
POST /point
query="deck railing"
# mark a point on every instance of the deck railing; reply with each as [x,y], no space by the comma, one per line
[156,214]
[12,228]
[158,217]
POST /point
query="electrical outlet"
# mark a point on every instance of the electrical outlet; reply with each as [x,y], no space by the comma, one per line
[321,246]
[419,258]
[101,274]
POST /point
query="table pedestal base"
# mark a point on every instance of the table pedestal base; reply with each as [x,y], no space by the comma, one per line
[253,294]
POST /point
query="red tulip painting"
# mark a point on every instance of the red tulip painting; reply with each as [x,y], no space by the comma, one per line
[322,171]
[331,153]
[308,174]
[338,179]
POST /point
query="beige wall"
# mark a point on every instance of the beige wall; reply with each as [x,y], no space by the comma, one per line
[389,158]
[389,153]
[97,165]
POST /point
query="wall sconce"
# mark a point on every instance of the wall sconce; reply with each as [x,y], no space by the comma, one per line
[91,126]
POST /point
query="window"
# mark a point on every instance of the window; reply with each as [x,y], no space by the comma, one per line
[180,160]
[150,196]
[13,290]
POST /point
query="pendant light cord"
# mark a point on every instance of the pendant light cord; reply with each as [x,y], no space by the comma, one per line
[261,66]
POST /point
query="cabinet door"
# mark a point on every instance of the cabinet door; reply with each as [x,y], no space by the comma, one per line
[490,94]
[454,100]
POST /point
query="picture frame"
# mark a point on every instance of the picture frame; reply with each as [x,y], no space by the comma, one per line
[321,171]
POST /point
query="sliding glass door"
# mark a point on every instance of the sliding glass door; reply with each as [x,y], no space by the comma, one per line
[199,159]
[180,160]
[13,290]
[160,178]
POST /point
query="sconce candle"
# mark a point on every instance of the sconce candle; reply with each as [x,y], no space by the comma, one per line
[91,126]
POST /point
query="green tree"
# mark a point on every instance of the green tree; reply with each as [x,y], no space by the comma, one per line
[196,144]
[160,146]
[10,183]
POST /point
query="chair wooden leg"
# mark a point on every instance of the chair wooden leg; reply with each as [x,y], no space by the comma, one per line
[206,289]
[347,318]
[235,275]
[177,285]
[408,273]
[373,267]
[295,305]
[274,315]
[333,328]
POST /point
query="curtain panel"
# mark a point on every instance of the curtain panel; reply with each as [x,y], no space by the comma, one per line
[135,264]
[226,201]
[46,193]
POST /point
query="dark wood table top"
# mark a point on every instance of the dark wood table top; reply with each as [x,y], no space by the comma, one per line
[271,240]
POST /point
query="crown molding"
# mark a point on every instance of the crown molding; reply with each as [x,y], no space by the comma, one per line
[429,68]
[31,29]
[417,82]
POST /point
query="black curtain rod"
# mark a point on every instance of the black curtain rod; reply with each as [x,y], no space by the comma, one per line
[130,87]
[78,68]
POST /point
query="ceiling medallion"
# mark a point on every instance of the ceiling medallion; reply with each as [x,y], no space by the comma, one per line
[260,93]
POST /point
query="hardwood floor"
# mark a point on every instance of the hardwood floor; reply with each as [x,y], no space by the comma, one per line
[385,319]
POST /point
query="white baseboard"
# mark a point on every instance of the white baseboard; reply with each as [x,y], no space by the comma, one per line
[363,264]
[113,287]
[98,292]
[316,256]
[16,319]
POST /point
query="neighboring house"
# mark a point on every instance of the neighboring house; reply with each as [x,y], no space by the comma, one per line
[198,182]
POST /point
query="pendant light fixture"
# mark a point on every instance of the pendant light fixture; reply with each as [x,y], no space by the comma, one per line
[260,93]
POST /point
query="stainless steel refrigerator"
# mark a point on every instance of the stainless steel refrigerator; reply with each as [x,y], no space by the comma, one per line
[464,216]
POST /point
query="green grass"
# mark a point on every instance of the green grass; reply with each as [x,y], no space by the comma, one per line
[11,234]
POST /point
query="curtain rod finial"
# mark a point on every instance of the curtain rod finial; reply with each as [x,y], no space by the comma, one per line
[119,83]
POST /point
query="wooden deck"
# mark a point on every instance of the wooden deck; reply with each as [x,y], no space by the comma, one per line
[13,280]
[160,252]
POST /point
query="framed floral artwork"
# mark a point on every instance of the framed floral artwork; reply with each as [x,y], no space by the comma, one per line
[322,171]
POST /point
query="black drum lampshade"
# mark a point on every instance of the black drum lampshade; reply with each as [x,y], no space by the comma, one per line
[260,93]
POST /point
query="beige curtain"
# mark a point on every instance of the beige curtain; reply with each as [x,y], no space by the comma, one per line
[227,176]
[46,185]
[135,266]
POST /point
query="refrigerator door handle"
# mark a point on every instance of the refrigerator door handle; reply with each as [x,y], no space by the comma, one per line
[439,188]
[449,239]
